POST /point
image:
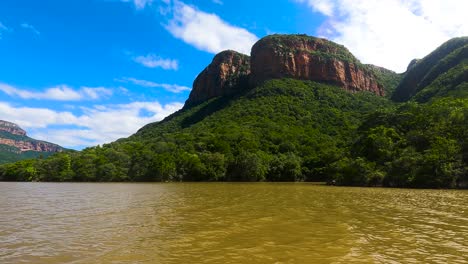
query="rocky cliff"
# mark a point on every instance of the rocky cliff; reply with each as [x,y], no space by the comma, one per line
[11,128]
[308,58]
[12,135]
[227,73]
[284,56]
[36,145]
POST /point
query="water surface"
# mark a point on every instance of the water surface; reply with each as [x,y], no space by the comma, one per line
[230,223]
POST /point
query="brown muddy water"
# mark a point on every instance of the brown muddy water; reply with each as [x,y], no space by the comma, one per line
[230,223]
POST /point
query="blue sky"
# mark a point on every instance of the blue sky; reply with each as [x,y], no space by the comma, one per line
[86,72]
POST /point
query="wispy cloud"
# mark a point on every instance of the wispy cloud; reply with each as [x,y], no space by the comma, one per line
[97,125]
[219,2]
[391,33]
[58,93]
[154,61]
[325,7]
[3,29]
[207,32]
[139,4]
[173,88]
[30,27]
[95,93]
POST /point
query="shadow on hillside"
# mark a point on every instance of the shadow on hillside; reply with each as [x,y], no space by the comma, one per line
[207,110]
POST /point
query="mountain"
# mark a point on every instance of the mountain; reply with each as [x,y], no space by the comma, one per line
[226,75]
[298,108]
[285,56]
[16,145]
[307,58]
[443,72]
[387,78]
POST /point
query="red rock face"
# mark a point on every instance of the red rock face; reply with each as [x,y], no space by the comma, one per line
[224,76]
[307,58]
[11,128]
[283,56]
[39,146]
[25,143]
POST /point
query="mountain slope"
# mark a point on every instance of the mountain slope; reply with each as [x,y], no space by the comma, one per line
[283,130]
[388,79]
[441,73]
[16,145]
[308,105]
[303,125]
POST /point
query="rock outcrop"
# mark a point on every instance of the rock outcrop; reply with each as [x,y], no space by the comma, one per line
[35,145]
[227,73]
[283,56]
[11,128]
[308,58]
[14,136]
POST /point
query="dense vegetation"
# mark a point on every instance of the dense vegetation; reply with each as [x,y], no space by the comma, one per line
[386,78]
[416,145]
[444,72]
[291,130]
[285,130]
[10,154]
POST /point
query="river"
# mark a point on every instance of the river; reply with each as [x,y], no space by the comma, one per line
[230,223]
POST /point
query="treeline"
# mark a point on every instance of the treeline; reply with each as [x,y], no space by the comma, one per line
[109,164]
[285,130]
[417,145]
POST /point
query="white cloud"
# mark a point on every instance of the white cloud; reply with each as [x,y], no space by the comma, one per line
[30,27]
[154,61]
[391,33]
[95,93]
[58,93]
[207,32]
[97,125]
[140,4]
[323,6]
[218,2]
[173,88]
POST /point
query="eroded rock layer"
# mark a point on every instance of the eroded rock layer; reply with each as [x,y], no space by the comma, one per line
[308,58]
[283,56]
[14,136]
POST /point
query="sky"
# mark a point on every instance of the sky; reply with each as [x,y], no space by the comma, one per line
[81,73]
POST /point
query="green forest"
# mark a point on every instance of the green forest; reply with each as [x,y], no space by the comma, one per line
[293,130]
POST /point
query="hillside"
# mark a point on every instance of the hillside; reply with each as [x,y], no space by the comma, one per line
[299,125]
[16,145]
[298,109]
[444,72]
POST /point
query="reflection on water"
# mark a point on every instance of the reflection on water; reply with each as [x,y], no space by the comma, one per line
[230,223]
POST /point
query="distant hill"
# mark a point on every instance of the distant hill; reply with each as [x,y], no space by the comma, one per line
[444,72]
[299,108]
[16,145]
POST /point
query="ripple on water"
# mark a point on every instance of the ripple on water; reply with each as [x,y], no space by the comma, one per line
[229,223]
